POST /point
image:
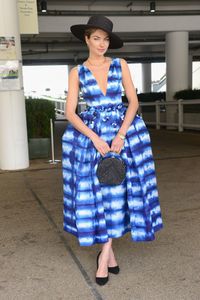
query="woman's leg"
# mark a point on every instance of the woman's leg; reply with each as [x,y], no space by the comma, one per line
[112,261]
[106,259]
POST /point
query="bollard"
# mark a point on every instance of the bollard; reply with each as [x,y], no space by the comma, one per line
[53,160]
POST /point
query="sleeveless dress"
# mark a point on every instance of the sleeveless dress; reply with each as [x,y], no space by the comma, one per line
[94,212]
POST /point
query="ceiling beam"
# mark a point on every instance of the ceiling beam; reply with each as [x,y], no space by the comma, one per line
[124,23]
[120,13]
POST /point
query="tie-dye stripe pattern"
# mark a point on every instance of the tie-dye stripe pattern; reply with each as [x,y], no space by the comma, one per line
[94,212]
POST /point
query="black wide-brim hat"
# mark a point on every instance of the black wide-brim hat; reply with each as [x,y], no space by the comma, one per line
[100,22]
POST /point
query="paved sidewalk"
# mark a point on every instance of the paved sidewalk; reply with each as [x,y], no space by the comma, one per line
[40,261]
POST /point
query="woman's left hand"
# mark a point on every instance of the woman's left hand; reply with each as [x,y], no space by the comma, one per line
[117,144]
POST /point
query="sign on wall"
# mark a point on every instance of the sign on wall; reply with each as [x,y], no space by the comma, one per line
[7,47]
[9,66]
[9,75]
[28,17]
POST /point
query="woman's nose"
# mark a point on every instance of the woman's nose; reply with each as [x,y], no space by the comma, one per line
[102,44]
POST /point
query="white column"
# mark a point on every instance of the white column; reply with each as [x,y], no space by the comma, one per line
[190,71]
[176,68]
[146,78]
[13,130]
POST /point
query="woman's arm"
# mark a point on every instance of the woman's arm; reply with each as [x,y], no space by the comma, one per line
[71,104]
[131,96]
[118,142]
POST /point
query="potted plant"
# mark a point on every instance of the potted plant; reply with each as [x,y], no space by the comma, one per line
[38,115]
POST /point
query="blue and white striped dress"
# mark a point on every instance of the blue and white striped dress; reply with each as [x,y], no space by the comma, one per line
[95,212]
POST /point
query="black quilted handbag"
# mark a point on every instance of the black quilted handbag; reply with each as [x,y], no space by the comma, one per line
[111,169]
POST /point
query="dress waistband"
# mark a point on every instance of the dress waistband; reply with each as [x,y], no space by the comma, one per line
[108,107]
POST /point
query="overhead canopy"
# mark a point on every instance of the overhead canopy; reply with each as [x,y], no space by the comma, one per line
[143,32]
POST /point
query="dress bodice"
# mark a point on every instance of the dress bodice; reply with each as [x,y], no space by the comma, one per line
[91,91]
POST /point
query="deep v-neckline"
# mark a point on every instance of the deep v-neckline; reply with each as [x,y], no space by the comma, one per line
[107,81]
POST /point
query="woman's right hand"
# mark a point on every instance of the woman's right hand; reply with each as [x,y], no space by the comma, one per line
[101,145]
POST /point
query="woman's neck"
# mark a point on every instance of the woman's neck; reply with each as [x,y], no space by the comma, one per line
[96,61]
[94,57]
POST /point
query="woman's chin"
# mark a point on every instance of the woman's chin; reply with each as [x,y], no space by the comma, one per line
[100,53]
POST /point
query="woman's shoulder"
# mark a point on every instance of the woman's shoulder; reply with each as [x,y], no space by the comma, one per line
[122,61]
[73,73]
[74,69]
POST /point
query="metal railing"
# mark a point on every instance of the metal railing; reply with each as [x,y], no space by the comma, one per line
[180,124]
[59,106]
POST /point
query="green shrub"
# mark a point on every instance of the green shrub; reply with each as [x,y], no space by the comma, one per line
[38,115]
[124,99]
[189,95]
[150,97]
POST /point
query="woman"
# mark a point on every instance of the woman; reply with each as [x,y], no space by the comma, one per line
[94,212]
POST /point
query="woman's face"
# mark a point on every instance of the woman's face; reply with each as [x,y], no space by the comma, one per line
[98,42]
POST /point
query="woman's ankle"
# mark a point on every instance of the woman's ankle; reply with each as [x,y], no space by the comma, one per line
[112,260]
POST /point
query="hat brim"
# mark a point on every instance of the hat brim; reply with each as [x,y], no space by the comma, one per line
[79,31]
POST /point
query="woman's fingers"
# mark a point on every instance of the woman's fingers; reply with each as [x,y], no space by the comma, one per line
[116,148]
[103,151]
[103,148]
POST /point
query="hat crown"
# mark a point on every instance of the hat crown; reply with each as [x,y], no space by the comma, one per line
[101,21]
